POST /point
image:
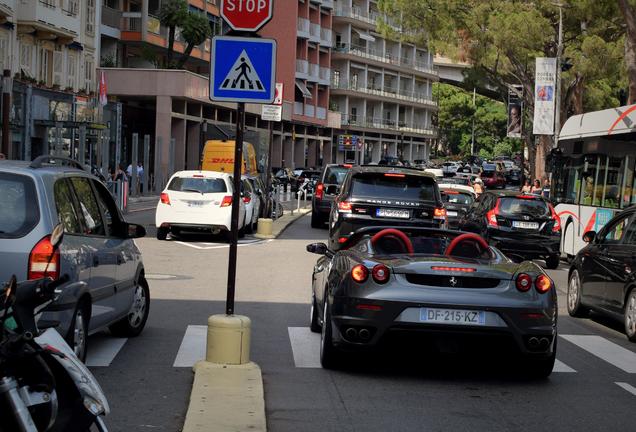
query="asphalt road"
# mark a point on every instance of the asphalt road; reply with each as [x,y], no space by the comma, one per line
[148,379]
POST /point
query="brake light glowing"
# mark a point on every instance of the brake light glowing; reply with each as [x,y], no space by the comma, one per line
[557,220]
[394,175]
[531,197]
[227,201]
[523,282]
[43,261]
[165,198]
[491,215]
[380,273]
[542,284]
[320,191]
[451,192]
[347,165]
[454,269]
[342,240]
[198,176]
[369,307]
[247,199]
[359,273]
[344,206]
[439,213]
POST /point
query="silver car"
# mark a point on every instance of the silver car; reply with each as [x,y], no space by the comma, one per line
[107,287]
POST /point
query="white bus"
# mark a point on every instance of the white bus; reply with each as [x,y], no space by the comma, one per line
[593,172]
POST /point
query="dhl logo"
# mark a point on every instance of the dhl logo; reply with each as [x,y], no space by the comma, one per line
[221,160]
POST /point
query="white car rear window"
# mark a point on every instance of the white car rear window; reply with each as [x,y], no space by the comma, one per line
[196,184]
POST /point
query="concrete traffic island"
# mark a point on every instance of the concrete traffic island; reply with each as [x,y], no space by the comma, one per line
[227,394]
[268,229]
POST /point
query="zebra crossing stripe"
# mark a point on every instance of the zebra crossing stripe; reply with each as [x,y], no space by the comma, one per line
[192,347]
[561,367]
[612,353]
[103,350]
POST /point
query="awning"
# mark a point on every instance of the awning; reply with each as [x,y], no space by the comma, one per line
[76,46]
[364,35]
[303,89]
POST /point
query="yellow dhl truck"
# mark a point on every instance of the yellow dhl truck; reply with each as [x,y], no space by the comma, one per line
[218,155]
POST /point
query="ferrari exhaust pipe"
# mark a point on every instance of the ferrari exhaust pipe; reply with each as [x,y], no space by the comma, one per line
[544,343]
[364,334]
[351,333]
[533,343]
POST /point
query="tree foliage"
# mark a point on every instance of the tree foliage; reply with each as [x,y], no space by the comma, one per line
[196,29]
[455,120]
[172,14]
[502,38]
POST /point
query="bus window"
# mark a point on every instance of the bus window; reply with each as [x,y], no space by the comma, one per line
[567,182]
[590,173]
[613,182]
[628,181]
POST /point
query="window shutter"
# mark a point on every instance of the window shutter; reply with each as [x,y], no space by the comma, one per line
[57,68]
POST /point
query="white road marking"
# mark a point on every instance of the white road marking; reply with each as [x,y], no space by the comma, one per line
[103,349]
[221,246]
[158,276]
[306,349]
[612,353]
[561,367]
[630,388]
[305,346]
[192,347]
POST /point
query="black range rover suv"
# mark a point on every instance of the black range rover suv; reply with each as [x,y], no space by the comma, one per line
[382,195]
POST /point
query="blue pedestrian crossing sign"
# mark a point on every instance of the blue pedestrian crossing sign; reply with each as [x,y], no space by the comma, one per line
[243,69]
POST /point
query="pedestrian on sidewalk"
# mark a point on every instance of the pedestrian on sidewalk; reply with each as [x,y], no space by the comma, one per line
[536,187]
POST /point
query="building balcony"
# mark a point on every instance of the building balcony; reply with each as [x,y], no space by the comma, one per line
[298,108]
[303,28]
[370,18]
[383,58]
[321,113]
[326,37]
[111,17]
[302,69]
[310,111]
[314,72]
[325,73]
[48,20]
[314,32]
[383,124]
[327,4]
[396,95]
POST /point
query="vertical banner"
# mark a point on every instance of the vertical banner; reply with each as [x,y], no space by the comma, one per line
[545,81]
[515,112]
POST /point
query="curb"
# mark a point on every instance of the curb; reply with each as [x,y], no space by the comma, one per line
[226,398]
[282,223]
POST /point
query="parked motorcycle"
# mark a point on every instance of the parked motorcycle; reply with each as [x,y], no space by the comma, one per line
[43,385]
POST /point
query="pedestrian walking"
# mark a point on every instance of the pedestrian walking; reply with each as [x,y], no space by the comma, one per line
[546,188]
[140,176]
[478,185]
[536,187]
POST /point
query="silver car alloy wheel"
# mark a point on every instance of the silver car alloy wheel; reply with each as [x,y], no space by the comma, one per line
[574,289]
[138,308]
[630,314]
[79,335]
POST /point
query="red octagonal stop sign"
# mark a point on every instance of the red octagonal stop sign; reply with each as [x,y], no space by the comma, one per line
[246,15]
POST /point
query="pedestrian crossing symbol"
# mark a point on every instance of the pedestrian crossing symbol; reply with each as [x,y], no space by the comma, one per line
[242,76]
[243,70]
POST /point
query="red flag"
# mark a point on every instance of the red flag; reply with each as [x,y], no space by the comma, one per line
[103,99]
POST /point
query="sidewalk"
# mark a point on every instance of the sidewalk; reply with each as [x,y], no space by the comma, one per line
[142,203]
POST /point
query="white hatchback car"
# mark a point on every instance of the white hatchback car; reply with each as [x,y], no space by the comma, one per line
[197,200]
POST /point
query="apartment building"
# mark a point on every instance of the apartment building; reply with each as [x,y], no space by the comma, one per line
[302,29]
[50,47]
[382,88]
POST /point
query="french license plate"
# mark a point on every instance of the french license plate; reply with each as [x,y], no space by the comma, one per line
[452,213]
[196,203]
[452,316]
[393,213]
[525,225]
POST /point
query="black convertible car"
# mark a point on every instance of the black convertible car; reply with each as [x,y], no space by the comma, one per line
[388,282]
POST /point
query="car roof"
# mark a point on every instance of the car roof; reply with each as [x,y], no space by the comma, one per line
[206,174]
[40,169]
[381,169]
[513,193]
[456,187]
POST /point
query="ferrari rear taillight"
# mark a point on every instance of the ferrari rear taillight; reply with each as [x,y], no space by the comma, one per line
[320,191]
[344,206]
[491,216]
[523,282]
[380,273]
[165,198]
[557,220]
[542,284]
[359,273]
[44,261]
[227,201]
